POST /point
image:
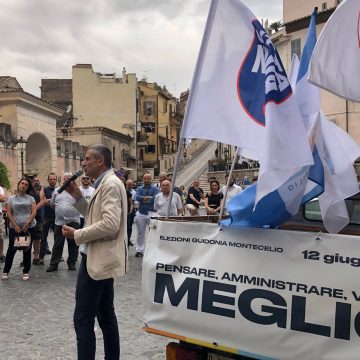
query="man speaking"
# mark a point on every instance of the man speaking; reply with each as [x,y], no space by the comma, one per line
[103,246]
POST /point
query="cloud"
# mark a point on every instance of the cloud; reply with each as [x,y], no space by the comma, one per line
[158,38]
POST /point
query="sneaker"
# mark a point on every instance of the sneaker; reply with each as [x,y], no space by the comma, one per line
[2,258]
[130,243]
[35,261]
[21,264]
[139,254]
[41,262]
[5,277]
[51,269]
[48,252]
[26,277]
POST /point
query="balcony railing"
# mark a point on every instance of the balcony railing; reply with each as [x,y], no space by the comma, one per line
[217,165]
[225,165]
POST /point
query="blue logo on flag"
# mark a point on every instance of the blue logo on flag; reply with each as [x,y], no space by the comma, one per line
[262,77]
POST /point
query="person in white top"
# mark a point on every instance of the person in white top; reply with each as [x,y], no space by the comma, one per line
[87,192]
[65,214]
[233,189]
[132,210]
[162,200]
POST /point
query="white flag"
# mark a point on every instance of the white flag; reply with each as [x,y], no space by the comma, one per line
[240,95]
[333,171]
[336,58]
[295,64]
[340,151]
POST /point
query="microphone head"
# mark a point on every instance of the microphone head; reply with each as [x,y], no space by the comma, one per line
[78,172]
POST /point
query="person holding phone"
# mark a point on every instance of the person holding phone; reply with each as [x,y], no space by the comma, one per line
[21,211]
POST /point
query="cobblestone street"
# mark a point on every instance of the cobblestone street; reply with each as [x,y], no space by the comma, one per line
[36,316]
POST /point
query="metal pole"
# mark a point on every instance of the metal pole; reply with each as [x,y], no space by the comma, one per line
[227,185]
[195,79]
[22,160]
[176,166]
[347,115]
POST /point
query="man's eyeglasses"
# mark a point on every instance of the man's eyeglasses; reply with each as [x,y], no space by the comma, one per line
[85,178]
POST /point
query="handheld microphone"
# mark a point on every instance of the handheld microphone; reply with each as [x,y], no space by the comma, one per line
[69,180]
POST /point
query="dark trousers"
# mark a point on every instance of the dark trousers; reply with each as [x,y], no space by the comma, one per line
[11,252]
[130,221]
[47,224]
[95,299]
[58,247]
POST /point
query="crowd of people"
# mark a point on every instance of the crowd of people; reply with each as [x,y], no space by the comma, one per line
[35,209]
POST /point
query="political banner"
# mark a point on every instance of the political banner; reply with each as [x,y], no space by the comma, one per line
[262,293]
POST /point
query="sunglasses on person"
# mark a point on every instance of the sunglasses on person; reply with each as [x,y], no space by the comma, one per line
[85,178]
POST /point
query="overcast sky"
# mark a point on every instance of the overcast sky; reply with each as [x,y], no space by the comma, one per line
[159,39]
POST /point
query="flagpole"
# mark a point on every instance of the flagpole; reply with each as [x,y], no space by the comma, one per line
[176,166]
[204,42]
[236,156]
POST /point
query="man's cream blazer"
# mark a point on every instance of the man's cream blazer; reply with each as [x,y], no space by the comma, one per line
[105,230]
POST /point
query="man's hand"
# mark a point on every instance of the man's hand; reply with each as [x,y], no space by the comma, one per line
[74,191]
[68,232]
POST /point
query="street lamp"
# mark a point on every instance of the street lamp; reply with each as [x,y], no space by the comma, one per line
[22,143]
[226,154]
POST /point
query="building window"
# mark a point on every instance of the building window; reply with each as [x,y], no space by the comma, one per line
[149,127]
[296,47]
[324,6]
[150,149]
[113,153]
[165,107]
[149,108]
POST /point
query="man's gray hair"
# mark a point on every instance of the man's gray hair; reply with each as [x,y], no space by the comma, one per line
[67,174]
[104,151]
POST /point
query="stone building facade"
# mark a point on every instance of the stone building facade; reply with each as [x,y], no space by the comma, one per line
[160,127]
[27,132]
[101,108]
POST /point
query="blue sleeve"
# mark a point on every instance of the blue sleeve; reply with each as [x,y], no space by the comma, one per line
[157,191]
[138,195]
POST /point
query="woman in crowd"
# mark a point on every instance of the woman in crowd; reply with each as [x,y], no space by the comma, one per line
[183,194]
[213,199]
[21,211]
[36,239]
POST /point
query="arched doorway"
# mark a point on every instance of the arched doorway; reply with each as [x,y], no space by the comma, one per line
[38,155]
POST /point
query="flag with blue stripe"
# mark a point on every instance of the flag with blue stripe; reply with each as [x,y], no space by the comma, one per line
[305,184]
[308,98]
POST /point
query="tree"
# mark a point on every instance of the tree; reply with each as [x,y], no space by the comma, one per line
[276,25]
[4,176]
